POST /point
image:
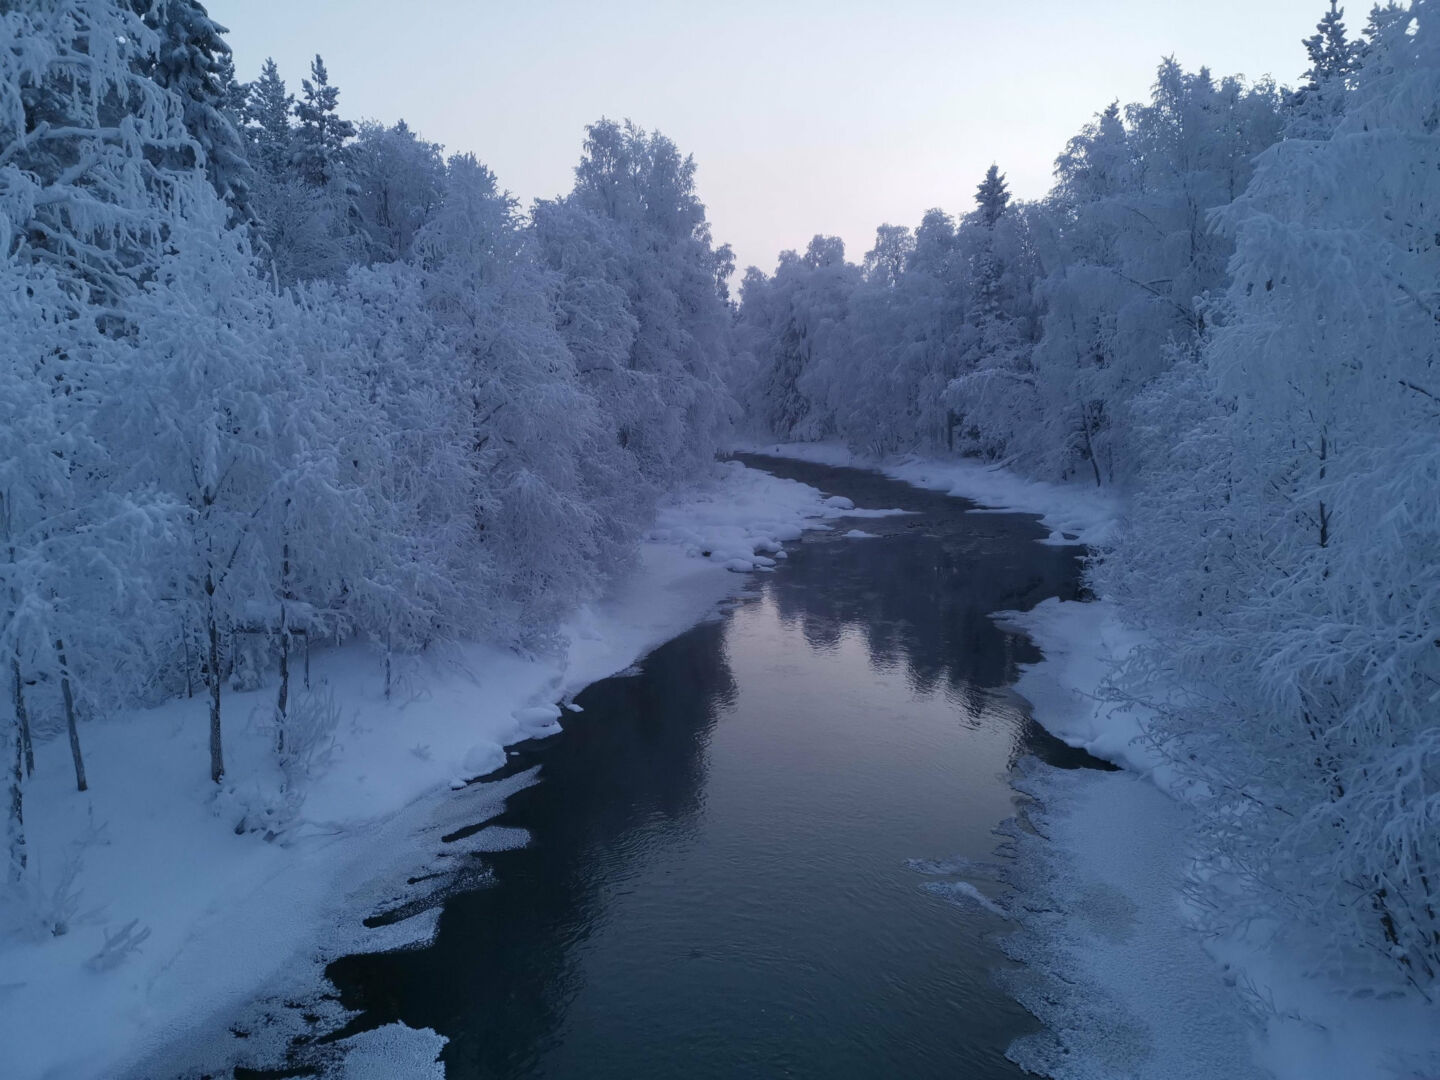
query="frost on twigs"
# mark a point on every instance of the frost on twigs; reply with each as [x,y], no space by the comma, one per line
[46,904]
[309,736]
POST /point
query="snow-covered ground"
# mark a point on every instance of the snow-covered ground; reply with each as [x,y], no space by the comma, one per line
[1125,986]
[236,890]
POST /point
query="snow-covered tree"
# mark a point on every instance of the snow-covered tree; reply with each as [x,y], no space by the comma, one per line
[1282,545]
[662,258]
[1135,256]
[192,60]
[267,110]
[1317,106]
[401,180]
[529,421]
[992,196]
[320,148]
[97,154]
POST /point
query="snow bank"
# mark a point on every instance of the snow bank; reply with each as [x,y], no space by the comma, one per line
[1122,988]
[1076,514]
[1082,642]
[239,885]
[1124,984]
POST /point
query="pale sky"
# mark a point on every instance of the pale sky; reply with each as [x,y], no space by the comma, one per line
[831,116]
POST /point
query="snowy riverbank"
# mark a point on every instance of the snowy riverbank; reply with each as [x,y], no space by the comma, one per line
[226,915]
[1124,984]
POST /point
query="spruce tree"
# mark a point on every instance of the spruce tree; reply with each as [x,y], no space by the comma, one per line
[321,136]
[1318,105]
[992,196]
[192,60]
[267,113]
[1332,55]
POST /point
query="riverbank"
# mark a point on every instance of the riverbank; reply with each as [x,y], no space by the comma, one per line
[1115,969]
[231,890]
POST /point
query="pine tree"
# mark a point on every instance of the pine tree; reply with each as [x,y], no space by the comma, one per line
[992,196]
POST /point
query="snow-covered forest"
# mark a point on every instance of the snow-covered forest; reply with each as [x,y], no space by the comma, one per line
[1227,310]
[273,380]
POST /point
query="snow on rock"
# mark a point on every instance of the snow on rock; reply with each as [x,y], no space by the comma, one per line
[537,714]
[482,758]
[538,721]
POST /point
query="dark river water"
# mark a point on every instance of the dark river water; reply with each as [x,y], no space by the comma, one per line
[742,858]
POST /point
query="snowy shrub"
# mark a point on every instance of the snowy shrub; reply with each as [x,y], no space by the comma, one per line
[46,903]
[308,730]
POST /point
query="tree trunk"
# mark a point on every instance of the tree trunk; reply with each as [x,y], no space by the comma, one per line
[67,693]
[1089,447]
[22,719]
[217,756]
[387,664]
[15,821]
[185,642]
[1324,513]
[282,704]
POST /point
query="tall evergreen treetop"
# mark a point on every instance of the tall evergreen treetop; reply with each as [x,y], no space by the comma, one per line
[267,111]
[992,196]
[1332,54]
[321,136]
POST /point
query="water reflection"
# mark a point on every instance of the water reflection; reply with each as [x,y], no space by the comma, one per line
[923,592]
[717,883]
[501,971]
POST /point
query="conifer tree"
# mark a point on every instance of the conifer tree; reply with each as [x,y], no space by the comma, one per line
[192,60]
[1318,105]
[1332,54]
[321,135]
[267,112]
[992,196]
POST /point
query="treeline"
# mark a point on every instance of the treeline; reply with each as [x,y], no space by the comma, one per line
[268,377]
[1228,306]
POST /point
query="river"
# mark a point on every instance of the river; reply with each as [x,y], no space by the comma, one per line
[764,852]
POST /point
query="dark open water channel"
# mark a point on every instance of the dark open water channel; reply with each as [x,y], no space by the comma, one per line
[719,881]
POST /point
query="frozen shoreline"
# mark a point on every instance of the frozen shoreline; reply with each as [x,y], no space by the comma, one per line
[1124,984]
[233,916]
